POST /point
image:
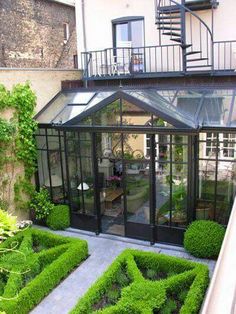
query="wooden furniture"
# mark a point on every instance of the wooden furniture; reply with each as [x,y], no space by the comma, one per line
[111,196]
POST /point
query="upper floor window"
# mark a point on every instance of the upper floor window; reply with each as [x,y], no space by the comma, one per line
[66,31]
[128,30]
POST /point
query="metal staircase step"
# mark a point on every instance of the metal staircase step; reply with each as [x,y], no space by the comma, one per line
[169,23]
[191,53]
[186,46]
[198,59]
[170,17]
[169,9]
[169,28]
[177,40]
[172,34]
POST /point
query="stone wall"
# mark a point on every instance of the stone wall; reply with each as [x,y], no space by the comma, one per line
[46,83]
[32,34]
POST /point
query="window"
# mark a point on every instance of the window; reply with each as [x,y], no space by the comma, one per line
[66,32]
[226,145]
[129,30]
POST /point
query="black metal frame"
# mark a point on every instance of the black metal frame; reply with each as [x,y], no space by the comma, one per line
[152,232]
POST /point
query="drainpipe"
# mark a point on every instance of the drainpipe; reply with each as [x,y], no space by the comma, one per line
[84,32]
[83,22]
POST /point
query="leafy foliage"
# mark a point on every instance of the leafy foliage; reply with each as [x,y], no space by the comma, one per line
[38,263]
[8,226]
[59,217]
[204,238]
[142,296]
[41,204]
[17,143]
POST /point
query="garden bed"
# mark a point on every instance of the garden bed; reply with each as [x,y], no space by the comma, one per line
[32,263]
[146,282]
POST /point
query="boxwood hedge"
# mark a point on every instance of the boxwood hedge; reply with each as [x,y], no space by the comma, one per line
[204,238]
[180,280]
[59,217]
[33,263]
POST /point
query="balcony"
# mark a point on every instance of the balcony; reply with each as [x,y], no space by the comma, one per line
[157,61]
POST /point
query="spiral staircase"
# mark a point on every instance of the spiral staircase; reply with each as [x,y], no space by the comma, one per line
[178,23]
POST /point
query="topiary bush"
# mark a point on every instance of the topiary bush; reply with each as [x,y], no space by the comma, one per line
[204,238]
[59,217]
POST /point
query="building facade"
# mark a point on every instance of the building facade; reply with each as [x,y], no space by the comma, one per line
[149,144]
[38,34]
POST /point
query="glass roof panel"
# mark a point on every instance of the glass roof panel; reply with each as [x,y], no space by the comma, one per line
[52,109]
[68,113]
[159,103]
[180,108]
[216,108]
[81,98]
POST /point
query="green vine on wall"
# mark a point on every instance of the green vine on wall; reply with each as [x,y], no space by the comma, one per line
[18,135]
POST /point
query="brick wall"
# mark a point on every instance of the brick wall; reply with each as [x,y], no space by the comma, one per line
[32,34]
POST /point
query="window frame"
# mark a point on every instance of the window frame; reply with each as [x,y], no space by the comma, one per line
[127,20]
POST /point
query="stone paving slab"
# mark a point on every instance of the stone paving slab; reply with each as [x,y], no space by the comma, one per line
[103,250]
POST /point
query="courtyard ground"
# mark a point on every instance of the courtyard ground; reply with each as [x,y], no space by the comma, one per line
[103,249]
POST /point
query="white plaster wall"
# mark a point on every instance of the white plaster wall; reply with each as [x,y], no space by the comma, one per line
[100,13]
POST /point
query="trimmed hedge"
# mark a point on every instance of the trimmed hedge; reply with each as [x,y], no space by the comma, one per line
[140,295]
[204,238]
[46,260]
[59,217]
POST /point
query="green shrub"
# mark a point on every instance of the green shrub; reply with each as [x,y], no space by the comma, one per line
[36,274]
[59,217]
[8,225]
[169,307]
[151,274]
[113,296]
[204,238]
[144,296]
[41,204]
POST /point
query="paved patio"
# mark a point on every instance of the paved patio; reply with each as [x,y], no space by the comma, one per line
[103,249]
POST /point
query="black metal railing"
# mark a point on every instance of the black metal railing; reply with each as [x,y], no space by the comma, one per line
[225,55]
[152,61]
[127,61]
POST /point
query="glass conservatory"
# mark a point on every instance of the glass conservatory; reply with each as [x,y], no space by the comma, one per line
[140,163]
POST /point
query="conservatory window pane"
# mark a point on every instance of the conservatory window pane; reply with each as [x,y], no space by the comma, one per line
[216,108]
[81,98]
[137,192]
[108,146]
[206,189]
[134,115]
[108,115]
[226,187]
[154,100]
[163,193]
[55,107]
[179,194]
[68,113]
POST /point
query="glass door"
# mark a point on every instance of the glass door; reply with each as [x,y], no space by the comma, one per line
[110,183]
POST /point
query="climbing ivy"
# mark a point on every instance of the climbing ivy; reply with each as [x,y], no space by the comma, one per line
[17,143]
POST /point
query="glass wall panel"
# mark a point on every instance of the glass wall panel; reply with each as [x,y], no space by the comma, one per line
[133,115]
[109,115]
[179,195]
[137,192]
[163,196]
[81,174]
[171,180]
[51,166]
[216,176]
[110,182]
